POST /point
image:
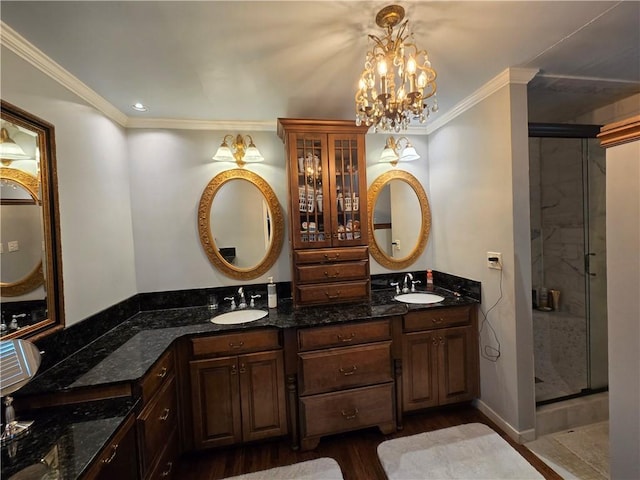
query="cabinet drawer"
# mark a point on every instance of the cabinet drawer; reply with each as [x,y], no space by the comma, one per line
[333,292]
[340,368]
[233,343]
[332,272]
[117,460]
[157,421]
[331,255]
[164,368]
[437,318]
[166,464]
[338,412]
[343,335]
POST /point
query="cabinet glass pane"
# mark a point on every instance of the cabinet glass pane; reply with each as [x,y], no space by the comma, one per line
[347,191]
[310,200]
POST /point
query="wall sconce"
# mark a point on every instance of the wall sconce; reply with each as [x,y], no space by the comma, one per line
[407,153]
[238,152]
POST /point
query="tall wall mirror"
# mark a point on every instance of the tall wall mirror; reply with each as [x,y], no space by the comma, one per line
[399,218]
[241,224]
[31,275]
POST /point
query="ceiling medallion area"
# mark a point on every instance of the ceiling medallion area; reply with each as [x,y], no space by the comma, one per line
[397,78]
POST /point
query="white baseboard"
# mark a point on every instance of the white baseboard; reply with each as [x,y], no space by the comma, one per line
[520,437]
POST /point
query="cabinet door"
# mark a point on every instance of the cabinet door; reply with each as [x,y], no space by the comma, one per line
[215,397]
[262,393]
[348,195]
[310,215]
[419,371]
[456,372]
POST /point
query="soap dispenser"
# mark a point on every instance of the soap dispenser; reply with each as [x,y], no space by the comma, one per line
[272,294]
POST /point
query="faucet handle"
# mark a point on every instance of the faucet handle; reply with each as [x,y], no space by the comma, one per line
[397,285]
[253,297]
[414,283]
[233,302]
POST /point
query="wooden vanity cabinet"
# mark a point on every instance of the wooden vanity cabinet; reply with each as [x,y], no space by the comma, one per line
[119,458]
[345,379]
[326,165]
[439,357]
[157,422]
[237,388]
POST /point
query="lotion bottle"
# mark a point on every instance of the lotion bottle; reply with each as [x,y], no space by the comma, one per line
[429,280]
[272,294]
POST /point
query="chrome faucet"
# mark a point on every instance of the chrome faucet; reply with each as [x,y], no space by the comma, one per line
[243,301]
[405,284]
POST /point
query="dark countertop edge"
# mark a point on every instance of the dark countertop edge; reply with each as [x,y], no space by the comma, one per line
[167,321]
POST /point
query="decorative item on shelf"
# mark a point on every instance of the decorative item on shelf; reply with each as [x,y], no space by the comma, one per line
[399,150]
[238,152]
[397,78]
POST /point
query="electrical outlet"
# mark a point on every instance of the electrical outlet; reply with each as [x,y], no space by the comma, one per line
[494,260]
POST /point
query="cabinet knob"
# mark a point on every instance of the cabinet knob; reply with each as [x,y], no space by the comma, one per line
[350,415]
[114,449]
[349,371]
[167,472]
[165,415]
[347,339]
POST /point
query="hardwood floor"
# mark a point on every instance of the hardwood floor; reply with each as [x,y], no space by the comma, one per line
[355,452]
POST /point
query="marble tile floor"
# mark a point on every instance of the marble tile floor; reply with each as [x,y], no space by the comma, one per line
[578,453]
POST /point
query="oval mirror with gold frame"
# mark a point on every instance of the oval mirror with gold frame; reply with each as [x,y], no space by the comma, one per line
[240,224]
[31,297]
[21,225]
[399,219]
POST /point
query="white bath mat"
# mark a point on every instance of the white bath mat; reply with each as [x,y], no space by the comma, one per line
[318,469]
[471,451]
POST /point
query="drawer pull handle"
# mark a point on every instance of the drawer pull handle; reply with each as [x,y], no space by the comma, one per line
[233,370]
[163,372]
[350,371]
[347,339]
[438,320]
[435,340]
[235,346]
[242,369]
[326,274]
[165,415]
[327,257]
[114,447]
[331,297]
[350,415]
[167,472]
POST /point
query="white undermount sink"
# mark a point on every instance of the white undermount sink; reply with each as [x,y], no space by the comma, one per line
[239,316]
[419,298]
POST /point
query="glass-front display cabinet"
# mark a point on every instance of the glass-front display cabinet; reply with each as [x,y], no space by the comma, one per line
[328,209]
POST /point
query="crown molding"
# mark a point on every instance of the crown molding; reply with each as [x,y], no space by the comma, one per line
[28,52]
[508,76]
[185,124]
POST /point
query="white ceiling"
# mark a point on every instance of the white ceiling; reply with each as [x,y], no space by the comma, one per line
[256,61]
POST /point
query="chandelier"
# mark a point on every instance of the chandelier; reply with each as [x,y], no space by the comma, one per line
[397,78]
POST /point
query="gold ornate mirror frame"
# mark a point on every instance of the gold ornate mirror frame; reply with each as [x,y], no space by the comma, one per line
[207,238]
[47,194]
[425,214]
[35,278]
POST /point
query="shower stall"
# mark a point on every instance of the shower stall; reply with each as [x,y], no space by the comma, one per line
[568,255]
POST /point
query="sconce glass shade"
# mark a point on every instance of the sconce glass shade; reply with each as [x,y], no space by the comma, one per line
[239,152]
[388,155]
[409,154]
[10,150]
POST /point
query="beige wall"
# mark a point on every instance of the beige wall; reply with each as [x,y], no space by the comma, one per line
[623,292]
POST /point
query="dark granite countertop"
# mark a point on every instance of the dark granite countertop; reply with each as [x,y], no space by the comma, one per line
[125,353]
[129,350]
[69,436]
